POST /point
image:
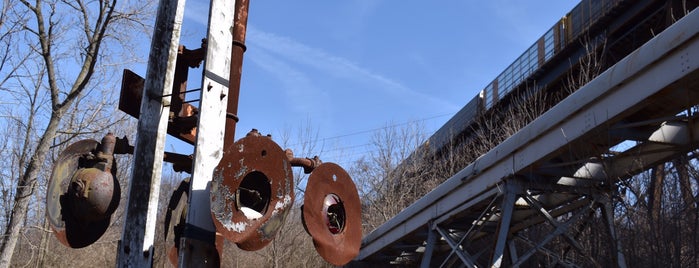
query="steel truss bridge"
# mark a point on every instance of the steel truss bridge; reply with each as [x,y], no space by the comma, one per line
[560,170]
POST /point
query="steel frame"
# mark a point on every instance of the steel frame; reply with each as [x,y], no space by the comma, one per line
[502,206]
[547,168]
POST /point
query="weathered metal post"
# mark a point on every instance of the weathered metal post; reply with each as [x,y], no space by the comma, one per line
[136,245]
[218,108]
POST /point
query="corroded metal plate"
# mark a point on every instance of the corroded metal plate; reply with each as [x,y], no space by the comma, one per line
[337,243]
[252,190]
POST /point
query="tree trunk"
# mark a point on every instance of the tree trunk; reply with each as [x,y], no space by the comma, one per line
[25,189]
[685,184]
[656,194]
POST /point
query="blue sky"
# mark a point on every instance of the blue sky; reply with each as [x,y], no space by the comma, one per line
[346,68]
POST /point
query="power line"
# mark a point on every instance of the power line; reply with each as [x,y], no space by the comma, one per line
[322,140]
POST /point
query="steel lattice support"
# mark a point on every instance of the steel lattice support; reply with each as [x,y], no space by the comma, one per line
[505,222]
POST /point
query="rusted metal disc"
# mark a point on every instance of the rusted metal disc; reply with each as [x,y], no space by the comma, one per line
[69,230]
[175,221]
[252,190]
[332,214]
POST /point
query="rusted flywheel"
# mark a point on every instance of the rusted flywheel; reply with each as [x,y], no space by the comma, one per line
[175,222]
[332,214]
[252,190]
[83,192]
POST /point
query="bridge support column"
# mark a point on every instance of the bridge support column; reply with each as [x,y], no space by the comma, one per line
[429,247]
[512,190]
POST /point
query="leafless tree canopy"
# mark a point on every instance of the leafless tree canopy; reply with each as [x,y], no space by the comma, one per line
[60,64]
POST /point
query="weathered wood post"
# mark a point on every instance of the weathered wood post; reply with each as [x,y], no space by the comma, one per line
[136,245]
[220,86]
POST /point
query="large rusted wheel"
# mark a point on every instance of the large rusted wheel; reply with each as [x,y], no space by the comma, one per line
[175,220]
[332,214]
[78,221]
[252,190]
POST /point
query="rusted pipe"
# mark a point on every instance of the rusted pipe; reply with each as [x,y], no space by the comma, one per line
[106,153]
[239,29]
[308,164]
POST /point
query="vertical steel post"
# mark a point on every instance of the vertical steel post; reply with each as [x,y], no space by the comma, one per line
[429,247]
[136,245]
[508,203]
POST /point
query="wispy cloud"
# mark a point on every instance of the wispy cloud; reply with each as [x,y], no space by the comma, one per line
[299,90]
[335,66]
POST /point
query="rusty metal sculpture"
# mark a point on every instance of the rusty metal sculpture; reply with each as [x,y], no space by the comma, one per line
[332,214]
[175,222]
[83,192]
[251,192]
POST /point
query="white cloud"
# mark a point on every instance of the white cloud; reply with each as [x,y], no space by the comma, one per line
[299,89]
[335,66]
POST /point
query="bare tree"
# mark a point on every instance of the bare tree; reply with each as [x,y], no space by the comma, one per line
[67,53]
[384,188]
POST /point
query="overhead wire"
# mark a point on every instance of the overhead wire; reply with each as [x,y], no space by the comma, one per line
[323,140]
[349,154]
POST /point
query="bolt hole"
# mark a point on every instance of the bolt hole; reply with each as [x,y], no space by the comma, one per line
[264,153]
[334,177]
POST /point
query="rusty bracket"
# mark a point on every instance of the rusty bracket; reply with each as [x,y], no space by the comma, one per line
[183,116]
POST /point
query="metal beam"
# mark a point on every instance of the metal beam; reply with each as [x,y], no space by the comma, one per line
[465,257]
[560,229]
[608,212]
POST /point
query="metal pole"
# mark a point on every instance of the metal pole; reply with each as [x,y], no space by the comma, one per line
[136,245]
[239,30]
